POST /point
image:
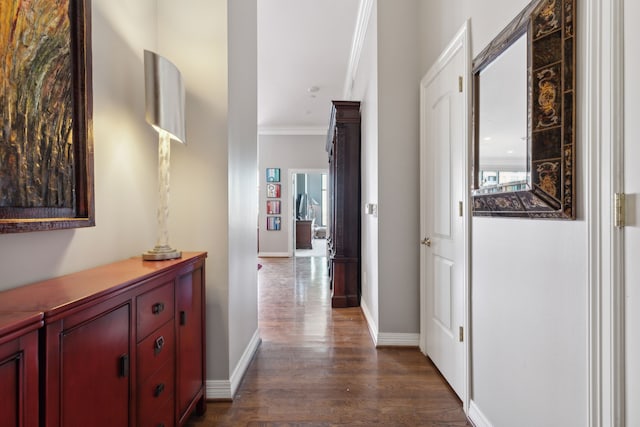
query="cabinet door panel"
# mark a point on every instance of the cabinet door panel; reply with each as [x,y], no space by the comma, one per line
[190,338]
[94,385]
[9,399]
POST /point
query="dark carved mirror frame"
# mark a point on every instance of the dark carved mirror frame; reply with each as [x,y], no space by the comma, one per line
[550,29]
[46,141]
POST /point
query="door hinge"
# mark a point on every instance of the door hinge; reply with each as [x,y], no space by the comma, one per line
[619,210]
[460,209]
[461,334]
[460,84]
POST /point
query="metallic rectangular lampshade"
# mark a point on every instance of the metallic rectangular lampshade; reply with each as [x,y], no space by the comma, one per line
[164,94]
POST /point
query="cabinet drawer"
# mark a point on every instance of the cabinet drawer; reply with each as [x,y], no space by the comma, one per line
[156,350]
[155,398]
[164,417]
[154,309]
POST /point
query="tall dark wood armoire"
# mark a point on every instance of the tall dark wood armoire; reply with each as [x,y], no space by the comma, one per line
[343,241]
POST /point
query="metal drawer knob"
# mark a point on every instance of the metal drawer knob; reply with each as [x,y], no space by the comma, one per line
[158,344]
[157,308]
[158,390]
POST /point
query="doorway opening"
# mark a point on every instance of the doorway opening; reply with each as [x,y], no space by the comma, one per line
[310,213]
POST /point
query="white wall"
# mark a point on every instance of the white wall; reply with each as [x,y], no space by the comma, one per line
[243,162]
[287,152]
[365,89]
[213,176]
[398,166]
[529,293]
[386,83]
[632,231]
[195,39]
[125,151]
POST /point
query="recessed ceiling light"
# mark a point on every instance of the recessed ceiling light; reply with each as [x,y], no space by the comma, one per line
[487,138]
[509,151]
[313,89]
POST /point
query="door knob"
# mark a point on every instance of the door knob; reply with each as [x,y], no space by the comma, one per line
[426,241]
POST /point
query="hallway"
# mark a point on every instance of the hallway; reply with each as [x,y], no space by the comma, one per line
[318,367]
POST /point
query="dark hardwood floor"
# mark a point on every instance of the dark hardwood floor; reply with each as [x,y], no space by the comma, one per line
[318,367]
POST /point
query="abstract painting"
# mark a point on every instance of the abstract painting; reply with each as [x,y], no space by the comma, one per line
[46,161]
[273,207]
[273,190]
[273,223]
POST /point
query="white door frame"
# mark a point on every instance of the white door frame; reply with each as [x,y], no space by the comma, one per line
[462,40]
[292,208]
[602,128]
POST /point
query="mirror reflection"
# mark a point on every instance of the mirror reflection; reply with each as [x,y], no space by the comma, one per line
[502,124]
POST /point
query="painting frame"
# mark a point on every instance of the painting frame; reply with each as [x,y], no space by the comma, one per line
[273,175]
[273,191]
[79,211]
[273,207]
[274,223]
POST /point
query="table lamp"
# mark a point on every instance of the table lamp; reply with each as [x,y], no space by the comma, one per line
[165,99]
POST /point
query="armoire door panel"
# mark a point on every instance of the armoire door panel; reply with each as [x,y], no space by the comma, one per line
[344,230]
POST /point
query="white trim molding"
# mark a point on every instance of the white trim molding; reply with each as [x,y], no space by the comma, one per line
[383,339]
[397,340]
[274,255]
[373,327]
[602,130]
[477,417]
[226,389]
[218,390]
[244,362]
[359,34]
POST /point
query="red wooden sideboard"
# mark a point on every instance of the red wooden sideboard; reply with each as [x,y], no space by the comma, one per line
[121,344]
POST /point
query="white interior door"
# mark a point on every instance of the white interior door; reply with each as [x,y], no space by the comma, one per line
[444,213]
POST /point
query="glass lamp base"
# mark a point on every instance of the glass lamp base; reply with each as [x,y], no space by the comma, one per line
[160,253]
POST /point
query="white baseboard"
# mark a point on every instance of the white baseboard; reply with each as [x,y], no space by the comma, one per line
[387,339]
[373,328]
[218,389]
[398,340]
[274,255]
[244,362]
[477,417]
[226,389]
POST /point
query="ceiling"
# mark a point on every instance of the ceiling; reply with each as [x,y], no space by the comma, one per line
[304,50]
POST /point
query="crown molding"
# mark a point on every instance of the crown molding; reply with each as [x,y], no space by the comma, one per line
[364,13]
[294,130]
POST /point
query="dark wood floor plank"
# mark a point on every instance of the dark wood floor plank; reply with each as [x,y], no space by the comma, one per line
[317,366]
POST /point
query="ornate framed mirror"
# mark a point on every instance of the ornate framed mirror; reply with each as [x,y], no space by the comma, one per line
[524,116]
